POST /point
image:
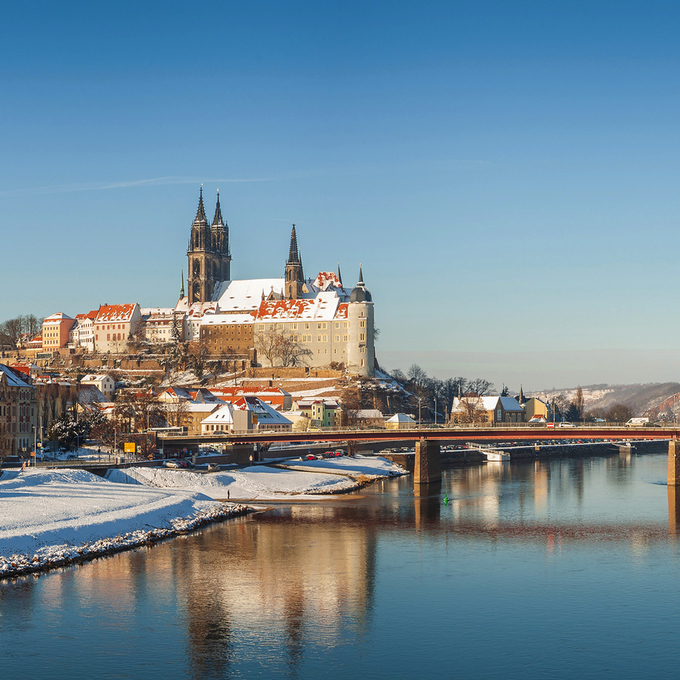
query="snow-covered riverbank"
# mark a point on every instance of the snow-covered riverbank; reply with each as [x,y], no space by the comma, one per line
[304,480]
[53,517]
[49,518]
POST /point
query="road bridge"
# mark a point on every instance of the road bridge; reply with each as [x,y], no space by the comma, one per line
[428,439]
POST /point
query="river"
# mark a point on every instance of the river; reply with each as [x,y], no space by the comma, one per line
[549,569]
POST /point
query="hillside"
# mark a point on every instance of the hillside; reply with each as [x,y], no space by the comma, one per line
[650,399]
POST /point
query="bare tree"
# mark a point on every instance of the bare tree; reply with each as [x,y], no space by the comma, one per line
[281,348]
[469,409]
[479,386]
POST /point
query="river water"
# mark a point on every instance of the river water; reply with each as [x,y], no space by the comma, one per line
[559,569]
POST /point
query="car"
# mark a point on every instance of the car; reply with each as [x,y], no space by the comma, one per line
[566,425]
[309,456]
[171,464]
[213,467]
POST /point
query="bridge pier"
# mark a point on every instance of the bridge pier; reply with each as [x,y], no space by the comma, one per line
[428,466]
[241,454]
[674,462]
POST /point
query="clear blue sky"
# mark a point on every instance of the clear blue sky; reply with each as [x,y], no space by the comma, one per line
[507,172]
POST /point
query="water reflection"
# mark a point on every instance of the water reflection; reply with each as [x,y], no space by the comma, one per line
[287,593]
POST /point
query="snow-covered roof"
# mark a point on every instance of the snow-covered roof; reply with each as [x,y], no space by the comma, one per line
[92,377]
[13,377]
[264,412]
[196,309]
[156,311]
[245,294]
[368,413]
[401,418]
[320,308]
[118,313]
[222,415]
[511,404]
[328,280]
[227,319]
[57,318]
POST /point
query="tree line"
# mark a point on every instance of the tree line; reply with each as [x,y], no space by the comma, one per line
[12,330]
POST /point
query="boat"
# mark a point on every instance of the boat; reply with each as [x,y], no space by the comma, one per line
[493,455]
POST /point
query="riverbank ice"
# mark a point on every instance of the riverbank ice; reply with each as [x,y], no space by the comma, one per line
[50,518]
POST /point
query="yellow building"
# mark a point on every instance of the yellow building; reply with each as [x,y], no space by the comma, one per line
[535,407]
[55,331]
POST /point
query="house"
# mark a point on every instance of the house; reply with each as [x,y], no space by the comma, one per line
[321,412]
[113,326]
[162,325]
[537,407]
[104,383]
[243,415]
[18,413]
[55,331]
[366,417]
[490,409]
[82,333]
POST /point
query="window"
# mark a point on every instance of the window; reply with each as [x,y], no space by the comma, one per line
[293,326]
[337,338]
[362,324]
[362,349]
[318,338]
[499,414]
[325,338]
[306,326]
[108,337]
[362,336]
[337,324]
[345,338]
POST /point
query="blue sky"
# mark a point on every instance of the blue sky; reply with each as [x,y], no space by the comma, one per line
[507,173]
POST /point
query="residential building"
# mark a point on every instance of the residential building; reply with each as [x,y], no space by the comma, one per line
[55,331]
[114,325]
[535,407]
[321,412]
[245,414]
[488,409]
[18,413]
[82,333]
[162,325]
[104,383]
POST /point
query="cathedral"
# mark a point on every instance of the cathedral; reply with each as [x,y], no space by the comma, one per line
[288,321]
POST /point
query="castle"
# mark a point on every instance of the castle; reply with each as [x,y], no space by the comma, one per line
[289,321]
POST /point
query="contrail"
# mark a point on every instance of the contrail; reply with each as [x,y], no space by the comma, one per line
[99,186]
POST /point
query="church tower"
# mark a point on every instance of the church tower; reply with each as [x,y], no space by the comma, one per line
[294,275]
[208,253]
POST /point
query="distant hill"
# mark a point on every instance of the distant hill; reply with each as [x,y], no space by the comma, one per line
[650,399]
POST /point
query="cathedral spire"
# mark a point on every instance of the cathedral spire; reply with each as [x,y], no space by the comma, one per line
[339,274]
[200,213]
[217,220]
[294,253]
[181,289]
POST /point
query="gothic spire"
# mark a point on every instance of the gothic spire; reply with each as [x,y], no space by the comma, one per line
[361,275]
[339,274]
[217,220]
[181,290]
[200,213]
[294,253]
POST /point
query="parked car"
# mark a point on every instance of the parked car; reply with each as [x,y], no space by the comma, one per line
[213,467]
[171,464]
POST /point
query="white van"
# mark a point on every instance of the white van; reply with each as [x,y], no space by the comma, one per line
[637,422]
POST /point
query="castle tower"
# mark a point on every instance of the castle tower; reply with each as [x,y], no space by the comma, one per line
[294,275]
[361,344]
[208,253]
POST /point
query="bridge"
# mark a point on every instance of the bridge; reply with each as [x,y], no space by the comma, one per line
[427,440]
